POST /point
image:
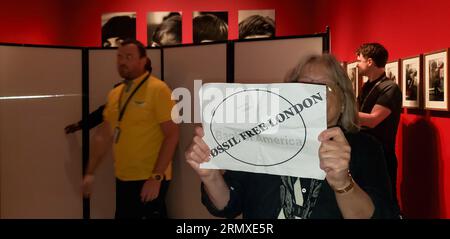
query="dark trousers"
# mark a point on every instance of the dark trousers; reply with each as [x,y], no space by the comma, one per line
[130,206]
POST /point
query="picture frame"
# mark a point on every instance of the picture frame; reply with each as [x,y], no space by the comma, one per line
[116,27]
[436,87]
[209,26]
[393,71]
[256,23]
[164,28]
[352,72]
[411,75]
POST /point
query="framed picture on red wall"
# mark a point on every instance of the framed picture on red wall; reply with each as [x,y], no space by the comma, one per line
[116,27]
[164,28]
[210,26]
[411,75]
[352,72]
[393,71]
[436,80]
[256,23]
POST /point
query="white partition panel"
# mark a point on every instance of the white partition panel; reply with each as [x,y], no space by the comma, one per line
[182,65]
[155,57]
[103,76]
[268,61]
[40,166]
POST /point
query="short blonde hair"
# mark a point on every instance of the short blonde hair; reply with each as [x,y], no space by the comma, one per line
[349,116]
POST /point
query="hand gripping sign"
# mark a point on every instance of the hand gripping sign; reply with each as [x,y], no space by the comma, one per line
[264,128]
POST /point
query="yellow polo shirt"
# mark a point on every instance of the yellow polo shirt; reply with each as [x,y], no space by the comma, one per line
[138,145]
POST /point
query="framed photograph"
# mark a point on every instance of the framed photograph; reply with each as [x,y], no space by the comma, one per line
[209,26]
[256,24]
[117,27]
[393,71]
[352,72]
[436,80]
[411,76]
[164,28]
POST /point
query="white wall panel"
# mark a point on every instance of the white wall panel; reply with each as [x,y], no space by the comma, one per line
[40,166]
[268,61]
[183,65]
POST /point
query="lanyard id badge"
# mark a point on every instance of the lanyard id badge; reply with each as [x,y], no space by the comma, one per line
[117,130]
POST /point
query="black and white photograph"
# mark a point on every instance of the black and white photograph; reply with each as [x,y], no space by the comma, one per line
[411,81]
[393,71]
[164,28]
[117,27]
[436,93]
[352,72]
[256,24]
[209,26]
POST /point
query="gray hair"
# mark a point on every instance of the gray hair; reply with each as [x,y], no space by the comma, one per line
[349,116]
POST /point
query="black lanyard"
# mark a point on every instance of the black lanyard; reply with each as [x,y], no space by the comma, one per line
[370,92]
[122,111]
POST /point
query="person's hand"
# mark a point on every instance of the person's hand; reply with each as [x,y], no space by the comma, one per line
[88,181]
[334,154]
[72,128]
[198,152]
[150,190]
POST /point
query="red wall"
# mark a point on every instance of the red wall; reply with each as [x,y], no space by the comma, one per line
[32,22]
[78,23]
[406,28]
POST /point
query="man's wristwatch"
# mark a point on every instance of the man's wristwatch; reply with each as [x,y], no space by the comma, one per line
[157,177]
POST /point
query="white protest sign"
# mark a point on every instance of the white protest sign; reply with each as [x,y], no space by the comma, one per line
[264,128]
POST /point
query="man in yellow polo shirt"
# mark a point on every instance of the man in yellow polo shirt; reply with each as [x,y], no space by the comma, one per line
[137,122]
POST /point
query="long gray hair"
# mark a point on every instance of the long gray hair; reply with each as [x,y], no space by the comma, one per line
[349,116]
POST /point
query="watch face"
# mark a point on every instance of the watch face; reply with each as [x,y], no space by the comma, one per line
[157,177]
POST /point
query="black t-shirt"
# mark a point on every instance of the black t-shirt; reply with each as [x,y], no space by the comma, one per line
[260,196]
[386,93]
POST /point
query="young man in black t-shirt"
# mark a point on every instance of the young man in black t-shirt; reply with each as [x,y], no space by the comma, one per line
[380,104]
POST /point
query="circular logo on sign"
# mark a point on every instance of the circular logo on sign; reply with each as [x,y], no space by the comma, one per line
[258,127]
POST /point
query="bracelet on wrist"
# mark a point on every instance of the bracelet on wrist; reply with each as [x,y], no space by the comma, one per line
[347,188]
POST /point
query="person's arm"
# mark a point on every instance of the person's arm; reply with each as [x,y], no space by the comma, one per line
[100,144]
[171,133]
[390,100]
[72,128]
[213,181]
[334,154]
[162,106]
[170,130]
[96,118]
[217,190]
[355,204]
[376,116]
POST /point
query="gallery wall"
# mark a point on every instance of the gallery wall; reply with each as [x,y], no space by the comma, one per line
[33,22]
[40,169]
[78,23]
[406,28]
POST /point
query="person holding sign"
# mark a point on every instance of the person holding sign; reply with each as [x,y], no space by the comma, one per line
[356,184]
